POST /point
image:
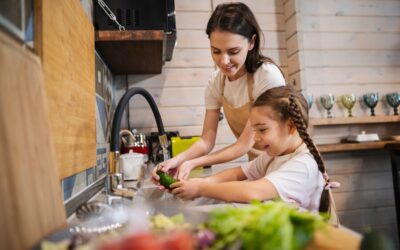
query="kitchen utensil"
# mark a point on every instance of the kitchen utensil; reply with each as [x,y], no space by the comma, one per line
[140,144]
[127,141]
[131,165]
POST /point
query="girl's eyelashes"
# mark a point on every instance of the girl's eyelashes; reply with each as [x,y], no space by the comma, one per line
[260,130]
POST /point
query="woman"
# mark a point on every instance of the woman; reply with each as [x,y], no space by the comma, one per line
[243,74]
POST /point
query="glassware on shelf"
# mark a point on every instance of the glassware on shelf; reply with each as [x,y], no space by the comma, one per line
[348,101]
[310,99]
[394,101]
[327,102]
[371,100]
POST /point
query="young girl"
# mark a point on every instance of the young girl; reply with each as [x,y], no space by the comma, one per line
[290,168]
[243,74]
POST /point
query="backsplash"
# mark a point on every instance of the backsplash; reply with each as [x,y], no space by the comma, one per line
[105,105]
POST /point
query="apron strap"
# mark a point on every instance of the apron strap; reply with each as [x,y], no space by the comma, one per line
[250,86]
[223,85]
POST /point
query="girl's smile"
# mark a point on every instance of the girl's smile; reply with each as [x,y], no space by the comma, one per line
[276,137]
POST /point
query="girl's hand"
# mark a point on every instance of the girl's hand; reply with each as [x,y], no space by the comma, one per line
[187,190]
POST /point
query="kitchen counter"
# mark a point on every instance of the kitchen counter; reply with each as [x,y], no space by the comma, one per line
[155,201]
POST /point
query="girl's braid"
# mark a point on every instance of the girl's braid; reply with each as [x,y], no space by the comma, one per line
[295,114]
[298,121]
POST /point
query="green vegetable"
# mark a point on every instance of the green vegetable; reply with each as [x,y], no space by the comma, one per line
[272,225]
[162,222]
[165,179]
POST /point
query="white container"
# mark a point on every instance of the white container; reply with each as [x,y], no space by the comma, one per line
[131,165]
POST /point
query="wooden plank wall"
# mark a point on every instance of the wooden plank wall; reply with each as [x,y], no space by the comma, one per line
[179,90]
[341,46]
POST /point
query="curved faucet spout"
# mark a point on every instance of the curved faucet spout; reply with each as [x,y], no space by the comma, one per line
[116,125]
[116,179]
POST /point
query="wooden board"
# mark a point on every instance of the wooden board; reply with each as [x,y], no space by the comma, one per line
[31,202]
[66,46]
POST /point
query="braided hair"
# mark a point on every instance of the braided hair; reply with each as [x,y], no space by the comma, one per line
[291,104]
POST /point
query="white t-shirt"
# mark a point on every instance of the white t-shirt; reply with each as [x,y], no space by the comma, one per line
[266,76]
[295,176]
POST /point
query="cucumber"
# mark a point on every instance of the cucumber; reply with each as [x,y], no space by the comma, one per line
[165,179]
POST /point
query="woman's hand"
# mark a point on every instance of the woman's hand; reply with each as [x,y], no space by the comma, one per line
[183,171]
[180,172]
[187,190]
[169,166]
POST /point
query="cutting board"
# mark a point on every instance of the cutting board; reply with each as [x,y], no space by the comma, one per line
[31,203]
[65,42]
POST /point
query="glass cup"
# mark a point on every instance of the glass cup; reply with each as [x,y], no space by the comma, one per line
[310,99]
[348,101]
[394,101]
[327,101]
[371,100]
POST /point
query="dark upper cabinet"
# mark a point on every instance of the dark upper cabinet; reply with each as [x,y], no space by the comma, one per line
[141,38]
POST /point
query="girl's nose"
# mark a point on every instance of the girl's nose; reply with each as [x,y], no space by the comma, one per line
[257,137]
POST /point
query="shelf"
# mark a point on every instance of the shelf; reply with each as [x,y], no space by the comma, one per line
[354,120]
[340,147]
[131,51]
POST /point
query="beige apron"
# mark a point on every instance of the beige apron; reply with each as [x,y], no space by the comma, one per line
[237,117]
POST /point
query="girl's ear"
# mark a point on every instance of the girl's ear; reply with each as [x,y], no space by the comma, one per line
[252,42]
[292,127]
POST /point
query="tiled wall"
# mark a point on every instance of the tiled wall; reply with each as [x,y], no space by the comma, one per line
[104,109]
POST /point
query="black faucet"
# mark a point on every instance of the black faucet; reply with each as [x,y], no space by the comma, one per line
[116,179]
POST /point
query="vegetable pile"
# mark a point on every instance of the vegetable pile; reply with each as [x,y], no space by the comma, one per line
[273,225]
[261,226]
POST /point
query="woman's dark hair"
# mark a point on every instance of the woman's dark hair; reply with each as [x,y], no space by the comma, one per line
[239,19]
[288,103]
